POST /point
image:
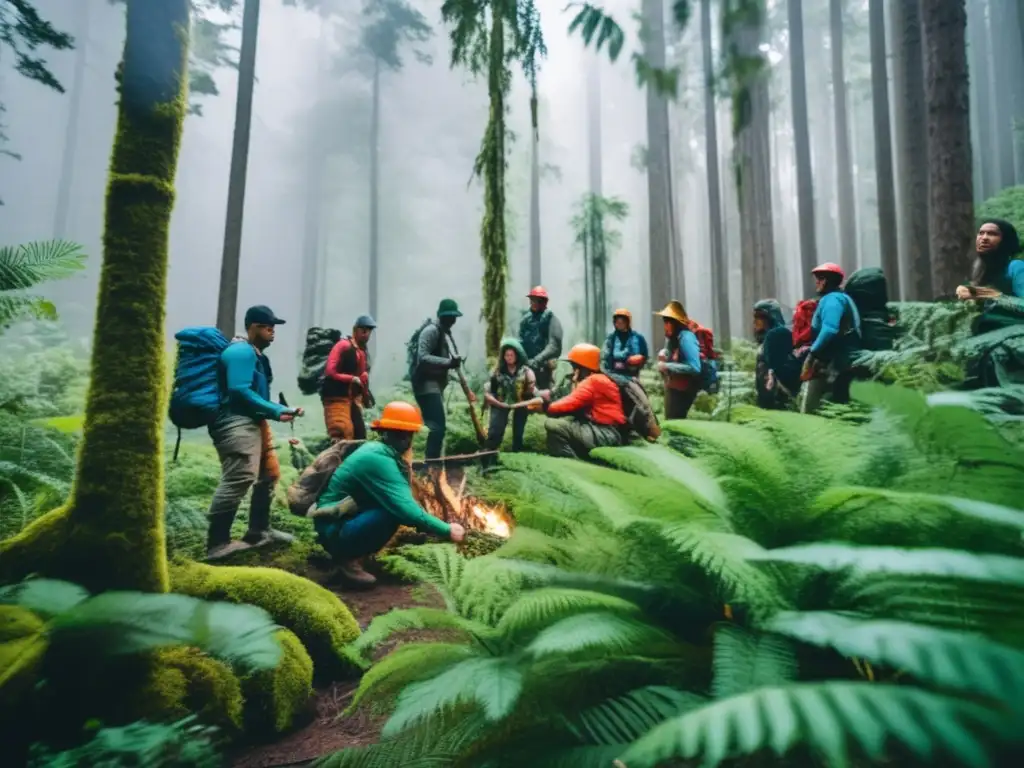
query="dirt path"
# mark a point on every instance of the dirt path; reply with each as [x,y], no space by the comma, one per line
[329,731]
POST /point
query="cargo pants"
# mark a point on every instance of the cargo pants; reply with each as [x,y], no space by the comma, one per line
[575,439]
[247,460]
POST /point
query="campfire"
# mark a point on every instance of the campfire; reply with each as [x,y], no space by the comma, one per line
[436,495]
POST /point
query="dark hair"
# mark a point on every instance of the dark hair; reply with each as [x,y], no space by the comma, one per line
[990,268]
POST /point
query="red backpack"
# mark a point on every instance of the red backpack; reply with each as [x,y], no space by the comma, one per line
[708,357]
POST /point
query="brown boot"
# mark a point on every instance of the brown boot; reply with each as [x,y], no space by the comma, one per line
[353,571]
[220,551]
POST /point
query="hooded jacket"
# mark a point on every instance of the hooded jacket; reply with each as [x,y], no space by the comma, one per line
[511,387]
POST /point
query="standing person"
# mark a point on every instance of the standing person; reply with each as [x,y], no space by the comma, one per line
[625,350]
[835,329]
[679,361]
[243,438]
[369,496]
[429,372]
[540,333]
[595,405]
[512,381]
[767,319]
[996,272]
[346,386]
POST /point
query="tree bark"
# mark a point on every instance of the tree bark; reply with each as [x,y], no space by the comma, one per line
[1004,69]
[315,158]
[110,535]
[845,199]
[1015,51]
[535,254]
[719,261]
[886,190]
[660,207]
[227,301]
[951,218]
[67,165]
[374,255]
[911,149]
[984,171]
[802,146]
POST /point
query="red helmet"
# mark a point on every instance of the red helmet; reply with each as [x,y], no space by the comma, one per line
[829,268]
[537,292]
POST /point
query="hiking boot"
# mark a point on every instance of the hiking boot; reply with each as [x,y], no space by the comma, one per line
[269,536]
[219,551]
[353,571]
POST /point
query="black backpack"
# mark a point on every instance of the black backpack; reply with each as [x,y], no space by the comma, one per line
[868,289]
[412,347]
[319,343]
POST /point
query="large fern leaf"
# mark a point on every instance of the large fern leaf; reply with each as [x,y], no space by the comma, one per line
[625,718]
[831,718]
[950,660]
[599,632]
[745,661]
[541,607]
[24,266]
[407,664]
[493,684]
[382,627]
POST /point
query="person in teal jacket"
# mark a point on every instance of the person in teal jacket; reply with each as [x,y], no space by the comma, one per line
[835,329]
[368,497]
[243,438]
[997,271]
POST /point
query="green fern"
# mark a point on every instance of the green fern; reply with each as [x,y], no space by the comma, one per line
[24,266]
[830,718]
[622,719]
[747,660]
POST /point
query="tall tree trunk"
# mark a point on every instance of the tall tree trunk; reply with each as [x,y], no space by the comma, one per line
[110,535]
[374,266]
[802,146]
[911,149]
[313,204]
[886,190]
[494,244]
[845,199]
[752,152]
[71,129]
[1004,69]
[719,259]
[951,218]
[1015,51]
[659,204]
[535,257]
[984,171]
[227,300]
[594,225]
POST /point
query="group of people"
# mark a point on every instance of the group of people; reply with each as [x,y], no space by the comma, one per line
[820,346]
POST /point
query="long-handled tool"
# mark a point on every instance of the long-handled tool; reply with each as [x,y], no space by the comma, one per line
[481,436]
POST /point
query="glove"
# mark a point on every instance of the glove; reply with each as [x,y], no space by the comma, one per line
[455,362]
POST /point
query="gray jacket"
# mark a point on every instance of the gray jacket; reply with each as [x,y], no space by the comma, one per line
[433,357]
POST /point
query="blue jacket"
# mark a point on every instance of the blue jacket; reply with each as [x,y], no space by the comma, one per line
[618,347]
[835,325]
[687,361]
[1015,277]
[245,383]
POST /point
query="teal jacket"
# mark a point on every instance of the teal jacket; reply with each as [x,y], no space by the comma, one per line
[245,383]
[372,477]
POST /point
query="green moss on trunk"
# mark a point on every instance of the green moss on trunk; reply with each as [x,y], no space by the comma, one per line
[110,535]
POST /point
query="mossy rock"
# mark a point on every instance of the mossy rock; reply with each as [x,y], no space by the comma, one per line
[319,619]
[298,557]
[275,698]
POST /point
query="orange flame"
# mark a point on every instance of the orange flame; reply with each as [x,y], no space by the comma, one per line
[452,506]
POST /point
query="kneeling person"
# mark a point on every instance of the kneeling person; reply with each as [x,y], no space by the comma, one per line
[595,405]
[368,497]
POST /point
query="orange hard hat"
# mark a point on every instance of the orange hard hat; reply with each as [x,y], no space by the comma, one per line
[585,356]
[399,416]
[537,292]
[829,268]
[623,313]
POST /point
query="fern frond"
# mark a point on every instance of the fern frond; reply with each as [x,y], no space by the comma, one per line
[493,684]
[625,718]
[540,607]
[405,665]
[745,661]
[440,565]
[403,619]
[996,569]
[951,660]
[829,718]
[24,266]
[662,462]
[597,632]
[724,558]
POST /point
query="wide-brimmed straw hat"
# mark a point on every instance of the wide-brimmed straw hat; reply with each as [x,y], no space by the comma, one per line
[674,311]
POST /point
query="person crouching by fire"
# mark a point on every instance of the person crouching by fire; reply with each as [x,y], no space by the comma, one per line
[368,497]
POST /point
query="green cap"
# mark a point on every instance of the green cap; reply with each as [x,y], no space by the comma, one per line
[448,308]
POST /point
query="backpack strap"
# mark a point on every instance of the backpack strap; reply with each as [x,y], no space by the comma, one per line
[177,446]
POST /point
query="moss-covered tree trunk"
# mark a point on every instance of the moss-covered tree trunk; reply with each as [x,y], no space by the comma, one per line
[493,243]
[110,535]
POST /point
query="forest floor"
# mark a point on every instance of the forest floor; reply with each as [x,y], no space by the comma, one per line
[328,730]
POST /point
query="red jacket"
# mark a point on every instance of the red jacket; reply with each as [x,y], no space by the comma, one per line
[346,362]
[597,398]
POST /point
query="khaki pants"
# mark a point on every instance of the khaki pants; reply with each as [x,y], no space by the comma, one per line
[247,460]
[575,439]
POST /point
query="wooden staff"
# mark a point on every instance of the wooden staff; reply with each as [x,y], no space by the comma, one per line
[481,436]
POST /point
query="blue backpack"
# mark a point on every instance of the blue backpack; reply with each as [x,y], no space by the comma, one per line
[195,398]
